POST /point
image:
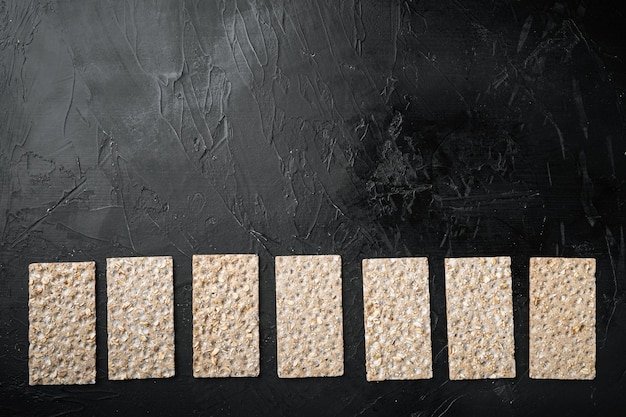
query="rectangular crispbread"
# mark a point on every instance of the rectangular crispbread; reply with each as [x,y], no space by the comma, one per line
[140,317]
[562,318]
[225,316]
[396,301]
[479,310]
[62,323]
[309,322]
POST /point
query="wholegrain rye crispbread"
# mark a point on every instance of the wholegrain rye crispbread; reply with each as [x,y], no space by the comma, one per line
[562,332]
[225,316]
[62,323]
[396,303]
[479,310]
[140,317]
[309,321]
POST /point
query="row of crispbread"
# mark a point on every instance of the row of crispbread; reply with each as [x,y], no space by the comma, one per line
[140,318]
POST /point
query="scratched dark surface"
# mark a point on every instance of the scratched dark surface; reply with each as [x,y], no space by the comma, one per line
[379,128]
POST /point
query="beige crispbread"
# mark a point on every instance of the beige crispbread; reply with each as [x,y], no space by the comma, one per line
[480,318]
[562,318]
[140,317]
[397,319]
[225,316]
[62,323]
[309,322]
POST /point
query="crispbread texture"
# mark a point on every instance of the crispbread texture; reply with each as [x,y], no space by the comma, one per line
[309,322]
[62,323]
[140,317]
[225,316]
[479,309]
[397,319]
[562,318]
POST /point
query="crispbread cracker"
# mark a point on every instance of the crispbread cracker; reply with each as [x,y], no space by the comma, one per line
[309,322]
[562,318]
[62,323]
[225,316]
[480,318]
[140,317]
[397,319]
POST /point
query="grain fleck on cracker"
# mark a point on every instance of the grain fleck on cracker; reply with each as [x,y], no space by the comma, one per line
[309,321]
[225,316]
[62,323]
[480,318]
[140,317]
[396,301]
[562,333]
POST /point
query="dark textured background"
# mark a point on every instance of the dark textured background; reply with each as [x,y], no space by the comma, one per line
[378,128]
